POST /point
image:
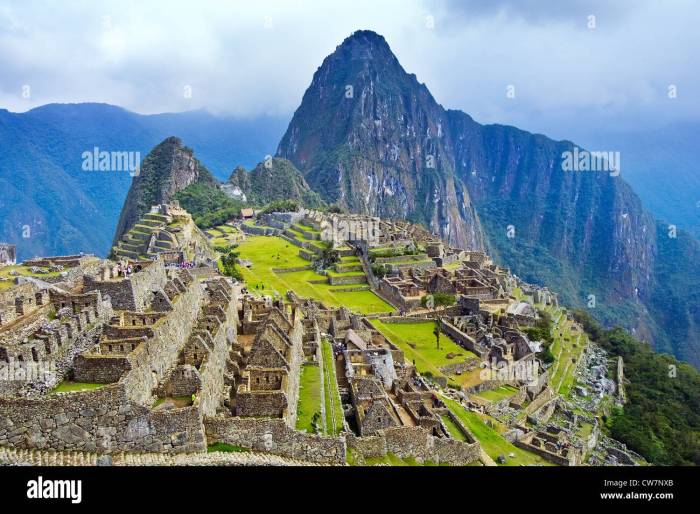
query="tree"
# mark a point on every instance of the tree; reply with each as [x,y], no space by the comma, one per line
[436,332]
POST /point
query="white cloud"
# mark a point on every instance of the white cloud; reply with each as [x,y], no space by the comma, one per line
[248,59]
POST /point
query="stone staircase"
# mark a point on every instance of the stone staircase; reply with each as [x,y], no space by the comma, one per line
[22,457]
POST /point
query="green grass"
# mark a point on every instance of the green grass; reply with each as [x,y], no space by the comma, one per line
[68,387]
[309,397]
[224,447]
[418,344]
[453,429]
[267,252]
[24,271]
[492,442]
[334,408]
[566,354]
[496,395]
[333,273]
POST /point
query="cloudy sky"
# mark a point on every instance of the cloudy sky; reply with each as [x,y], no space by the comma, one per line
[571,63]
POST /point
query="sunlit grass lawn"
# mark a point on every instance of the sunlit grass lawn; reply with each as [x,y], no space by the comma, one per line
[496,395]
[454,430]
[418,344]
[334,408]
[68,387]
[267,252]
[309,397]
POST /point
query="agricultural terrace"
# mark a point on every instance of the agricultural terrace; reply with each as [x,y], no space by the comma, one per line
[489,433]
[269,254]
[567,348]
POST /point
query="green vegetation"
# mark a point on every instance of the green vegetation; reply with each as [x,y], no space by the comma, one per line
[227,265]
[394,252]
[281,206]
[334,408]
[542,331]
[439,300]
[227,448]
[566,348]
[309,405]
[268,253]
[22,270]
[453,429]
[275,179]
[217,217]
[203,198]
[661,419]
[492,442]
[68,386]
[496,395]
[417,341]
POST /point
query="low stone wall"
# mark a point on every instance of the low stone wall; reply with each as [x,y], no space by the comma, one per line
[545,396]
[461,338]
[344,280]
[367,447]
[100,369]
[101,420]
[417,443]
[406,319]
[552,457]
[351,289]
[255,230]
[292,270]
[274,436]
[307,254]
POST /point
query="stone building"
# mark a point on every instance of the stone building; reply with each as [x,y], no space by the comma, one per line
[269,378]
[8,254]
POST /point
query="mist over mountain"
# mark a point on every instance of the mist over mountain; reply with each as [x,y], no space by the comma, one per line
[64,209]
[661,165]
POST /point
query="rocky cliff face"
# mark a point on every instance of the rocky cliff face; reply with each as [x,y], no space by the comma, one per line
[372,138]
[275,179]
[170,167]
[369,137]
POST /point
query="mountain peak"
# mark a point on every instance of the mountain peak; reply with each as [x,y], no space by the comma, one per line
[364,45]
[365,38]
[168,168]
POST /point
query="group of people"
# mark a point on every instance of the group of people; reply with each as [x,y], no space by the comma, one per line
[124,269]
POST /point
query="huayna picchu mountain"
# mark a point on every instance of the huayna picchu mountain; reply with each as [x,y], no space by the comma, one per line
[169,168]
[368,136]
[273,179]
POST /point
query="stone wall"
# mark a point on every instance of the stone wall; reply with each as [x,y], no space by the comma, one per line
[132,293]
[101,420]
[274,436]
[343,280]
[213,371]
[417,443]
[151,360]
[461,338]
